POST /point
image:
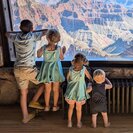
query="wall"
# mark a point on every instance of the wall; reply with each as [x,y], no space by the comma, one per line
[9,92]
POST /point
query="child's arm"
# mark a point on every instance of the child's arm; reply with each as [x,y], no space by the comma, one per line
[86,62]
[87,74]
[39,34]
[40,52]
[62,52]
[108,84]
[44,31]
[89,89]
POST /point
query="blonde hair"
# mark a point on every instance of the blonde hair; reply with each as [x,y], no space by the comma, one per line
[98,72]
[52,33]
[79,57]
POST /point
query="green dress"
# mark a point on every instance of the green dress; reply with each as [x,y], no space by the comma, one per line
[51,68]
[76,88]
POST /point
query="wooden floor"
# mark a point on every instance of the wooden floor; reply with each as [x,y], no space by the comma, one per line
[53,122]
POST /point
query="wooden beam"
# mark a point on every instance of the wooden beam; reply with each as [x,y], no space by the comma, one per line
[5,24]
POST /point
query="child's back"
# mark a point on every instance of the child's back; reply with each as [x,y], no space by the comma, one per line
[25,44]
[25,49]
[98,99]
[51,69]
[76,88]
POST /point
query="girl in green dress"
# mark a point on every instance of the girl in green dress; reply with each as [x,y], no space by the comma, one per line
[50,73]
[76,88]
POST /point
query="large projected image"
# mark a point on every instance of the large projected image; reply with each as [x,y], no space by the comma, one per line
[101,29]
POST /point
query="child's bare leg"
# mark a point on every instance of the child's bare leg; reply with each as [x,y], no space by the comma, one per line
[38,94]
[79,113]
[70,112]
[105,119]
[23,102]
[56,86]
[94,120]
[47,94]
[34,103]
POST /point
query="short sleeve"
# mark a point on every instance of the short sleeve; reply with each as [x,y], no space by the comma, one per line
[38,35]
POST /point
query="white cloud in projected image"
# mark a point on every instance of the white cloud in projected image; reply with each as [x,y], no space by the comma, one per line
[101,29]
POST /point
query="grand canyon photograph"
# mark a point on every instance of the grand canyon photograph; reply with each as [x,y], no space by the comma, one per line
[101,29]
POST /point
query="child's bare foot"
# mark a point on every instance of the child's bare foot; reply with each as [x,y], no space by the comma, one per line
[55,108]
[107,125]
[30,116]
[79,125]
[69,124]
[93,126]
[47,108]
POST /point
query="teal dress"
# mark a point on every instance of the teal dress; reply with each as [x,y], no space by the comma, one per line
[51,68]
[76,88]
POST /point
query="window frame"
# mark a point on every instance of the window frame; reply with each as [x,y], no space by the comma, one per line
[7,15]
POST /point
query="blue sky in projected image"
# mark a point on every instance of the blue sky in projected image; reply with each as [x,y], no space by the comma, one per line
[101,29]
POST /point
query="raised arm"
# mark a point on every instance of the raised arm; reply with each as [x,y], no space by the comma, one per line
[62,52]
[40,52]
[108,84]
[44,31]
[87,74]
[38,34]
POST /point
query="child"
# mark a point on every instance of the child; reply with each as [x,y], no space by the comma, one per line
[98,99]
[24,67]
[51,73]
[76,88]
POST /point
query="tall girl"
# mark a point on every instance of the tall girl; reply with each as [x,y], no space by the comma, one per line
[50,73]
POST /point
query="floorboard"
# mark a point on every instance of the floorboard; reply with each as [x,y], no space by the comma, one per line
[53,122]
